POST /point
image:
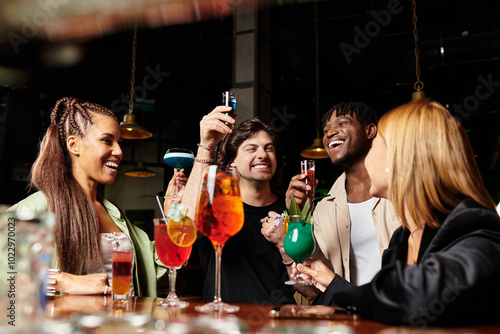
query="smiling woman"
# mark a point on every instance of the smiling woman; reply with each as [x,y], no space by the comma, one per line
[80,150]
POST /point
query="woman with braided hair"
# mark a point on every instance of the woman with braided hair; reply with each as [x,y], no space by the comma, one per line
[80,150]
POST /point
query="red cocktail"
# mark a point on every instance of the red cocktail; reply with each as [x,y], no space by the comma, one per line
[169,253]
[173,250]
[307,168]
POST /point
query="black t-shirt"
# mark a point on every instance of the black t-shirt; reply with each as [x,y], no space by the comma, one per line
[252,269]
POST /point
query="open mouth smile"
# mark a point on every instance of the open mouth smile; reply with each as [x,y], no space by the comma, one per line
[335,143]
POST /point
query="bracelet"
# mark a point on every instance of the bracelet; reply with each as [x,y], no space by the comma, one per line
[204,147]
[287,263]
[204,161]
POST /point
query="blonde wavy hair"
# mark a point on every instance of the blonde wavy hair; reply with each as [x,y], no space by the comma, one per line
[431,163]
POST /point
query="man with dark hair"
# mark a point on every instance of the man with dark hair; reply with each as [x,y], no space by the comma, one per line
[351,228]
[252,268]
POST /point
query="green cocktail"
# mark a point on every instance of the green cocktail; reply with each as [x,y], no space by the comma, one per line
[299,243]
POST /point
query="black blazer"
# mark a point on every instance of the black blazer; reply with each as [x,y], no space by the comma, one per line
[456,280]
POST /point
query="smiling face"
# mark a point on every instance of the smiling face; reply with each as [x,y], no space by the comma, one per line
[96,156]
[376,163]
[256,158]
[346,140]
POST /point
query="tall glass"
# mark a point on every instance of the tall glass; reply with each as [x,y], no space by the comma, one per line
[219,216]
[307,168]
[121,274]
[299,244]
[178,158]
[172,256]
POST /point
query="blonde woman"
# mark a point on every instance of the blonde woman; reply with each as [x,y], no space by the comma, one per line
[442,266]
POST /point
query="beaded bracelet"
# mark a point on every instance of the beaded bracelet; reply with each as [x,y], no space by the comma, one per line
[204,147]
[204,161]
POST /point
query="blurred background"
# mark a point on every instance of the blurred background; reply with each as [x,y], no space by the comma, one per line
[188,52]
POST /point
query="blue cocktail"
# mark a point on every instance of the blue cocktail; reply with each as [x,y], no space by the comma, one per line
[178,158]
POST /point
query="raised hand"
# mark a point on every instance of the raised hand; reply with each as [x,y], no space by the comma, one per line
[297,188]
[181,180]
[213,127]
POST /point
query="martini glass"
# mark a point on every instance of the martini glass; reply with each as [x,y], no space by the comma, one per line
[178,158]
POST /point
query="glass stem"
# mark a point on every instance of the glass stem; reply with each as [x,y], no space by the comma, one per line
[172,276]
[218,253]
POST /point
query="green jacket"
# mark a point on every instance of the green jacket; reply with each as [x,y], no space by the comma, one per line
[147,267]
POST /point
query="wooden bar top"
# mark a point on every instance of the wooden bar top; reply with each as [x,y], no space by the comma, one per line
[142,315]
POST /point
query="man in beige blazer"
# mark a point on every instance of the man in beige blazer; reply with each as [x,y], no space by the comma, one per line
[351,228]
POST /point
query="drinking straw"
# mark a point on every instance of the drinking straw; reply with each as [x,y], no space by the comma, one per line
[161,207]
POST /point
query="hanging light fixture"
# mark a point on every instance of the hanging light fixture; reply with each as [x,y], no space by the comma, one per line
[140,170]
[130,128]
[418,94]
[316,150]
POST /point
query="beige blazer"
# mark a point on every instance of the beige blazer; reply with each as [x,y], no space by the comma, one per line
[332,227]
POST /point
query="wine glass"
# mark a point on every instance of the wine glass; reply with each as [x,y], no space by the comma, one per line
[219,216]
[299,244]
[178,158]
[172,256]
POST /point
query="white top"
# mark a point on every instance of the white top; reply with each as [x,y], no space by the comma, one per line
[365,254]
[108,242]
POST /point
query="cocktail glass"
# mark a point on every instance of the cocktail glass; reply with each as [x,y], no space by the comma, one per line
[307,168]
[178,158]
[172,256]
[219,216]
[299,244]
[121,273]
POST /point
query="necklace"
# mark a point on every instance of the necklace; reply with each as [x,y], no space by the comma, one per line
[412,244]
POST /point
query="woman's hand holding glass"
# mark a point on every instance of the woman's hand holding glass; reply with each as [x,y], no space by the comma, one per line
[178,181]
[314,272]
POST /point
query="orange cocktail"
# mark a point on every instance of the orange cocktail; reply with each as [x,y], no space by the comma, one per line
[219,215]
[223,217]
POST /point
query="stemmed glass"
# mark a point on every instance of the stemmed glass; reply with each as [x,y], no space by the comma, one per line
[299,244]
[219,216]
[171,255]
[178,158]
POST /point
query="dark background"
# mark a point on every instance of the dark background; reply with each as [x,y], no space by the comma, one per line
[198,59]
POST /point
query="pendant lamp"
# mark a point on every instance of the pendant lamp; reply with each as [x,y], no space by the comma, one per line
[140,170]
[316,150]
[130,128]
[418,94]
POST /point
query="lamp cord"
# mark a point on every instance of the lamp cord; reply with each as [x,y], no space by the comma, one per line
[419,85]
[316,53]
[132,69]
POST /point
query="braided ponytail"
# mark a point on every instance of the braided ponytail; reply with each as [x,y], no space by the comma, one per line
[77,225]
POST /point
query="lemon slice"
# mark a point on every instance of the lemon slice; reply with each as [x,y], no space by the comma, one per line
[285,223]
[182,233]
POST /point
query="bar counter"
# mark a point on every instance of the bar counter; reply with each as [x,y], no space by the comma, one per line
[98,314]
